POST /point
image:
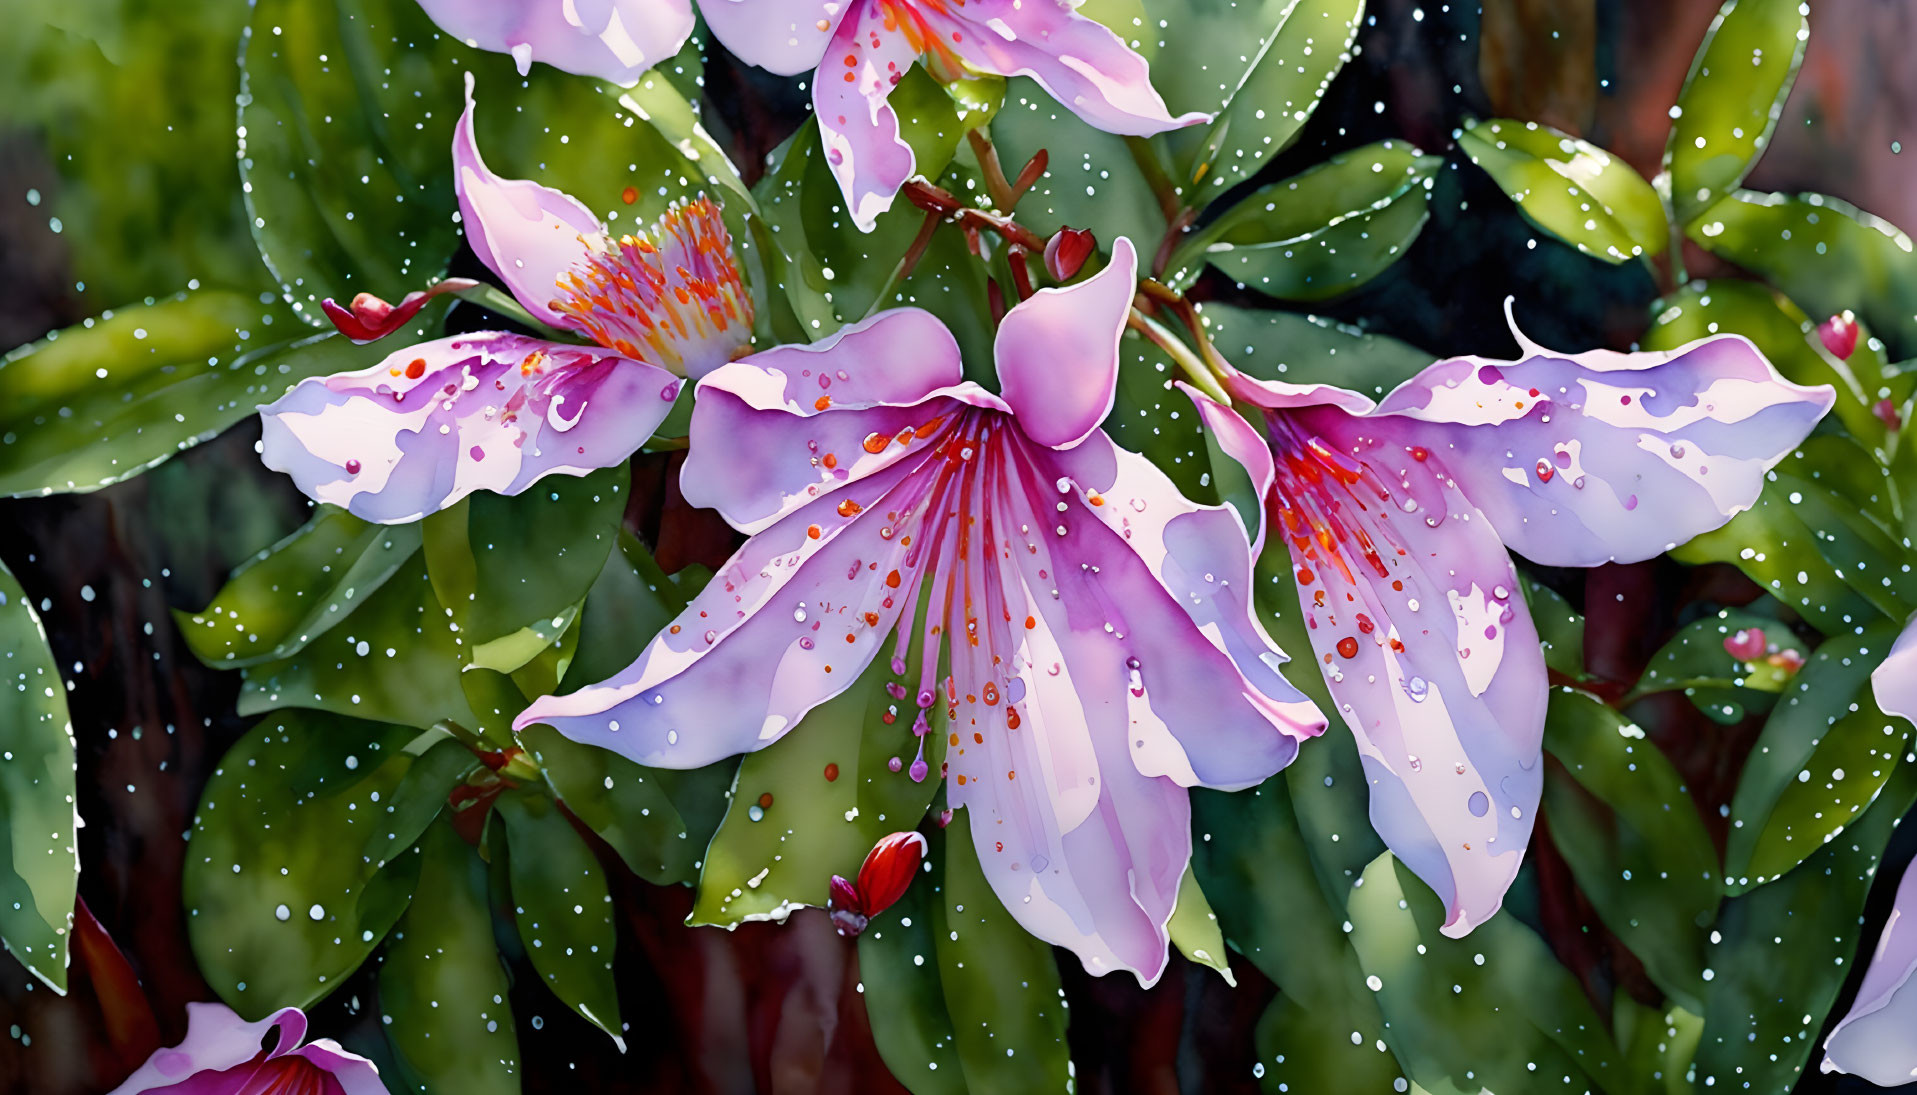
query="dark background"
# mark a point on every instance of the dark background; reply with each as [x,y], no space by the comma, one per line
[775,1008]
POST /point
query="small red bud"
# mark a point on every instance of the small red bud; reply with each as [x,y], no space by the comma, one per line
[369,318]
[1839,335]
[1747,645]
[1790,661]
[1067,251]
[1887,411]
[888,870]
[844,906]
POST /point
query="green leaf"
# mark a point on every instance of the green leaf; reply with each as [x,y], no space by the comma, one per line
[1260,98]
[812,804]
[961,998]
[1773,545]
[40,860]
[1090,179]
[569,525]
[1307,349]
[283,892]
[1154,419]
[1514,1019]
[1657,1045]
[562,907]
[1620,814]
[1322,233]
[1790,800]
[1254,863]
[1780,329]
[290,593]
[442,988]
[395,659]
[1696,662]
[1823,253]
[1560,628]
[1732,99]
[1782,952]
[1570,188]
[1194,928]
[106,400]
[346,118]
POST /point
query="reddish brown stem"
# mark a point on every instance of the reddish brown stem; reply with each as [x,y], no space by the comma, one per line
[1018,258]
[935,199]
[1028,175]
[995,183]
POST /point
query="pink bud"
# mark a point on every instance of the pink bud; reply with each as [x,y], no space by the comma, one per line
[945,817]
[842,903]
[1887,411]
[888,870]
[1067,250]
[1839,335]
[369,318]
[1747,645]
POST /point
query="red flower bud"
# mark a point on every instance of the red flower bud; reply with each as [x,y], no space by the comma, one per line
[888,870]
[1887,411]
[1839,335]
[1747,645]
[1067,251]
[369,318]
[842,903]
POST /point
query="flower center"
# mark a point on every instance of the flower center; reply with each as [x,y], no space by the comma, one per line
[908,17]
[293,1075]
[663,296]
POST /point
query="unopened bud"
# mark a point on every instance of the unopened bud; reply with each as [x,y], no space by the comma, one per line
[1067,251]
[1839,335]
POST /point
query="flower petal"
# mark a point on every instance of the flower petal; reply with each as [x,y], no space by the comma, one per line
[783,36]
[1242,443]
[774,431]
[217,1040]
[1416,617]
[1058,352]
[1087,68]
[1583,459]
[860,130]
[616,40]
[355,1074]
[434,422]
[526,233]
[1894,681]
[789,622]
[1874,1039]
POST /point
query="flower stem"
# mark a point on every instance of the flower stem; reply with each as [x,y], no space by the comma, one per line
[907,262]
[1198,372]
[995,181]
[1146,157]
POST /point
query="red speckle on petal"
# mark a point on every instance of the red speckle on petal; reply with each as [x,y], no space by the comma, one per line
[1545,472]
[1347,647]
[831,773]
[352,467]
[416,368]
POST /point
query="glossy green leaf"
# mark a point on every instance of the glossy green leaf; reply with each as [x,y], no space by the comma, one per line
[1090,180]
[1194,928]
[1570,188]
[1515,1020]
[290,593]
[1780,329]
[1775,547]
[1560,627]
[1825,254]
[1154,419]
[1621,816]
[283,892]
[112,397]
[1321,233]
[569,525]
[562,907]
[1790,798]
[1732,99]
[346,120]
[40,860]
[1307,349]
[1259,68]
[1696,662]
[1001,983]
[1253,861]
[904,999]
[1657,1044]
[442,988]
[395,659]
[1782,952]
[812,804]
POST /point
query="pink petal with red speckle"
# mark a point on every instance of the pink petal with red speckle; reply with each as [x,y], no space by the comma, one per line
[860,130]
[783,36]
[1057,352]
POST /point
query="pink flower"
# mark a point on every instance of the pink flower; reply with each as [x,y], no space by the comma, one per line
[861,48]
[1398,516]
[222,1055]
[497,411]
[1874,1039]
[1103,655]
[615,40]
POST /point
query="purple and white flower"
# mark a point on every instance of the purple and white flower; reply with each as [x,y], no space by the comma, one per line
[616,40]
[1877,1039]
[1097,627]
[225,1055]
[1398,517]
[498,411]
